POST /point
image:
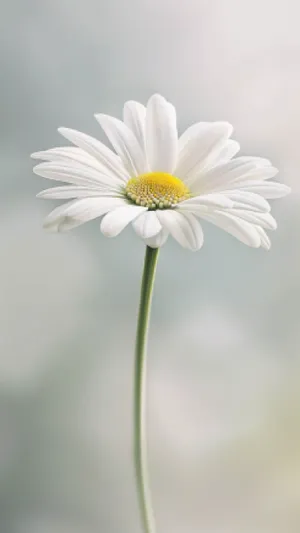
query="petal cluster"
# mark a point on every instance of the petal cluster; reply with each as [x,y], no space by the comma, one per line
[230,192]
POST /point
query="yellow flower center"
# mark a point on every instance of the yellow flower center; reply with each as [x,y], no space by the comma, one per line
[156,190]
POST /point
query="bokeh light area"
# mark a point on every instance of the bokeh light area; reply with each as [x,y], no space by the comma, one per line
[224,361]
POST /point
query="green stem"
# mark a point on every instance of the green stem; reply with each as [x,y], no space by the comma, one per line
[140,441]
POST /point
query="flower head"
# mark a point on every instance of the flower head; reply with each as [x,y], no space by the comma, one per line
[161,183]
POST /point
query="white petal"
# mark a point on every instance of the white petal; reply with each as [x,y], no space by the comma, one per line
[258,173]
[205,200]
[161,135]
[229,151]
[265,220]
[147,225]
[72,154]
[125,144]
[76,212]
[191,132]
[222,176]
[247,200]
[66,192]
[258,161]
[158,240]
[115,221]
[266,189]
[77,174]
[203,127]
[264,238]
[185,228]
[202,149]
[134,115]
[242,230]
[95,148]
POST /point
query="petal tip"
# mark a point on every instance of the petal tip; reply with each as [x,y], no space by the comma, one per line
[106,231]
[63,131]
[156,97]
[102,119]
[101,116]
[228,127]
[286,189]
[273,226]
[35,169]
[266,246]
[35,155]
[50,227]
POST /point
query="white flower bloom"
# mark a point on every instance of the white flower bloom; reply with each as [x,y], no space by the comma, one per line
[161,183]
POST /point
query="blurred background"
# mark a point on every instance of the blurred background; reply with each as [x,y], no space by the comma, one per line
[224,372]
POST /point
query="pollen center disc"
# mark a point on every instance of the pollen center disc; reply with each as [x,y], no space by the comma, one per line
[157,190]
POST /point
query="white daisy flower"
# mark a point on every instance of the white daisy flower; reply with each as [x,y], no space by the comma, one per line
[161,183]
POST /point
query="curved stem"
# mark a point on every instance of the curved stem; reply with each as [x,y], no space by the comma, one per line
[140,441]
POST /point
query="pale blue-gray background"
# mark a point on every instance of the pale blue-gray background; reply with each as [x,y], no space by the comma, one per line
[224,373]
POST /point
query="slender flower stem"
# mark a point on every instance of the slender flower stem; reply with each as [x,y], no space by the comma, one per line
[140,441]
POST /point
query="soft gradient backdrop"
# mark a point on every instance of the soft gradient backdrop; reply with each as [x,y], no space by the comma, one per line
[224,372]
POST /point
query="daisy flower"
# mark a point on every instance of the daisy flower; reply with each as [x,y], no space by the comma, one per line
[161,183]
